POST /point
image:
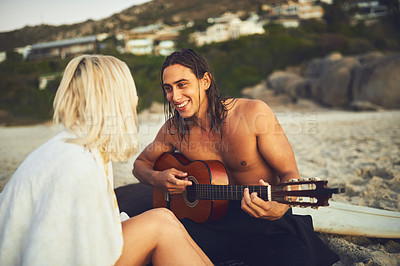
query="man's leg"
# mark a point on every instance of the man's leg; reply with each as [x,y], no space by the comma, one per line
[219,245]
[274,250]
[134,199]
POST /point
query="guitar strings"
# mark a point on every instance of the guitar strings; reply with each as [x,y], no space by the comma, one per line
[235,192]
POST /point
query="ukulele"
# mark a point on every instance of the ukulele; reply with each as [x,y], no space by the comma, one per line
[208,197]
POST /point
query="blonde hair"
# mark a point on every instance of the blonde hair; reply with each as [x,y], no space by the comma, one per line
[97,101]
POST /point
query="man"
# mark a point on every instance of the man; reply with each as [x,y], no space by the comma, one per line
[247,138]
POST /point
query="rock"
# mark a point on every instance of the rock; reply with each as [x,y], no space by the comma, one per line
[364,106]
[316,67]
[297,87]
[255,92]
[278,79]
[333,86]
[369,57]
[368,81]
[378,82]
[263,93]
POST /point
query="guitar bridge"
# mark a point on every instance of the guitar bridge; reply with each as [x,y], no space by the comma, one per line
[168,203]
[166,196]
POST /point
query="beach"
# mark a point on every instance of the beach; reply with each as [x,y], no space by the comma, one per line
[356,150]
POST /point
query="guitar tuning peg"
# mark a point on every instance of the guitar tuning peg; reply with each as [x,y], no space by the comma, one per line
[315,207]
[293,180]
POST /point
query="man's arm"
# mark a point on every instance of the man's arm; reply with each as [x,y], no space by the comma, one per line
[276,150]
[171,180]
[273,144]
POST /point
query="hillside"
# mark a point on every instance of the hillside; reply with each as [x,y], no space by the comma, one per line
[167,11]
[236,64]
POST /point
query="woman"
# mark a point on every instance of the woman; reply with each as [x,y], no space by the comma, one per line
[59,207]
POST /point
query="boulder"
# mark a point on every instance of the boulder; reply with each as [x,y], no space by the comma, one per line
[315,67]
[278,79]
[333,86]
[364,106]
[298,87]
[362,82]
[378,82]
[262,92]
[369,57]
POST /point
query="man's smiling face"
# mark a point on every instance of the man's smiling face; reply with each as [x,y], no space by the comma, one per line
[184,91]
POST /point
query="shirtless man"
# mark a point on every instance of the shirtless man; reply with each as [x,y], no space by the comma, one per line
[246,137]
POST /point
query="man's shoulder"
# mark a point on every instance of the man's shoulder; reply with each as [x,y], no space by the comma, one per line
[251,106]
[167,133]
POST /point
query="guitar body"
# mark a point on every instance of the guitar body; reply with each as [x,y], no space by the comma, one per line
[200,172]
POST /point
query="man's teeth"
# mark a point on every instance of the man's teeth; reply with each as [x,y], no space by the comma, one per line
[182,104]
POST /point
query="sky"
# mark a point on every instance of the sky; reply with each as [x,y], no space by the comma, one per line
[15,14]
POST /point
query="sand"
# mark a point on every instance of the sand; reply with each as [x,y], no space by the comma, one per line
[358,150]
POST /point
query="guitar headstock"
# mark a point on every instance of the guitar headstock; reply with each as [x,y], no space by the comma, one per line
[304,193]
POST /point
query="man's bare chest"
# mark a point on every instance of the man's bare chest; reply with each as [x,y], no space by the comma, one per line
[235,153]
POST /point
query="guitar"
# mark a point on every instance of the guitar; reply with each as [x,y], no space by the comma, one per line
[208,197]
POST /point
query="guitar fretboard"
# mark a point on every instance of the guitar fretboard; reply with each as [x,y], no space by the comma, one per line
[226,192]
[279,193]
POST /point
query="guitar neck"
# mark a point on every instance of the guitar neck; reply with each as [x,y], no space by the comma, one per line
[225,192]
[300,193]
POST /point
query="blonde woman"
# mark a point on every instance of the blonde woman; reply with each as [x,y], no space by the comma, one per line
[59,207]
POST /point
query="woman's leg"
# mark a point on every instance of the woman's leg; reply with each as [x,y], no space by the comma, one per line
[157,236]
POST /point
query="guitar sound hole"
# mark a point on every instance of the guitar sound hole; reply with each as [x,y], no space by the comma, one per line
[190,194]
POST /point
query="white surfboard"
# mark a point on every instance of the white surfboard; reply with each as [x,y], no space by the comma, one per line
[348,219]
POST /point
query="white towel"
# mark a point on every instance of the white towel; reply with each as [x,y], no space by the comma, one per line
[59,208]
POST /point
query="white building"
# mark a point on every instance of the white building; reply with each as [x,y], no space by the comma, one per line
[139,46]
[303,9]
[24,51]
[307,11]
[228,27]
[290,13]
[155,39]
[3,56]
[64,48]
[166,47]
[368,9]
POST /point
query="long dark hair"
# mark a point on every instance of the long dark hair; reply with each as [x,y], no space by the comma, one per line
[216,110]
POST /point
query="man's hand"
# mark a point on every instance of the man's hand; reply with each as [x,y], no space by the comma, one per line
[173,180]
[258,208]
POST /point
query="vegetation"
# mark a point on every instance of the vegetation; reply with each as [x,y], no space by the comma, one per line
[236,64]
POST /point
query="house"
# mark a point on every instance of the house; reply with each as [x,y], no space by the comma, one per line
[24,51]
[308,10]
[154,39]
[286,9]
[367,9]
[64,48]
[290,13]
[227,27]
[44,79]
[142,46]
[3,56]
